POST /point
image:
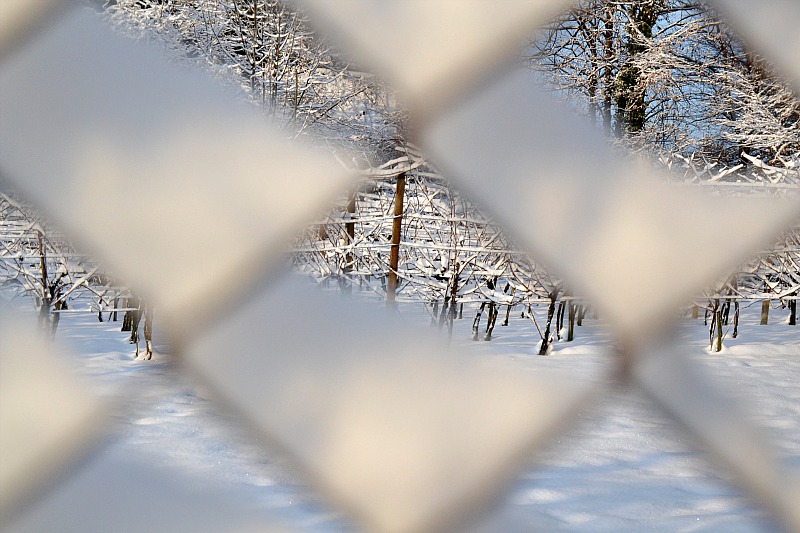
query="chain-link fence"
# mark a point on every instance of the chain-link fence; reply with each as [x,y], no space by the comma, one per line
[394,430]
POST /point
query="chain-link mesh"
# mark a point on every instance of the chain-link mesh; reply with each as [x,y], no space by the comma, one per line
[401,435]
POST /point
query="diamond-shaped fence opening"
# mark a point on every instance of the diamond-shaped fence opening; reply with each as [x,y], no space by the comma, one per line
[388,425]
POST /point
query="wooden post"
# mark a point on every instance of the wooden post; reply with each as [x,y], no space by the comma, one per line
[397,227]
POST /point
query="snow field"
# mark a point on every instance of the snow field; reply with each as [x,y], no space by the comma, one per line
[623,466]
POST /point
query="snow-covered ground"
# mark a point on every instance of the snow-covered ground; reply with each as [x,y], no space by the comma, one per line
[623,467]
[626,466]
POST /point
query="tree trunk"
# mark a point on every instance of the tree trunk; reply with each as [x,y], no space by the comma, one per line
[608,72]
[726,308]
[126,318]
[764,312]
[560,319]
[453,301]
[445,312]
[551,310]
[793,312]
[508,314]
[490,321]
[571,323]
[148,332]
[397,227]
[581,314]
[711,329]
[350,232]
[715,331]
[476,323]
[508,307]
[44,309]
[631,102]
[136,317]
[59,306]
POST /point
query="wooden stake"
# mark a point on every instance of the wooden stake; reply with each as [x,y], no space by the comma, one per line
[397,227]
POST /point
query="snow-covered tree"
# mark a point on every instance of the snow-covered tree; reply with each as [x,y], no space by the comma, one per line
[666,76]
[38,264]
[269,50]
[772,277]
[449,252]
[669,75]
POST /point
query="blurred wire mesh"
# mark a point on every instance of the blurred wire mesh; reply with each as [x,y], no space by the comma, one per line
[402,436]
